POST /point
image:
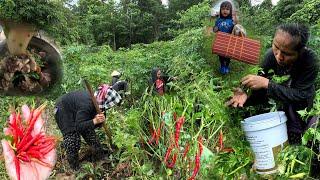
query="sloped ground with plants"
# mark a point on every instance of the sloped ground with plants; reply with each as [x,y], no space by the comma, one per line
[189,132]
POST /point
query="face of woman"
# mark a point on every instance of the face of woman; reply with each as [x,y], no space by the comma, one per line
[283,48]
[159,74]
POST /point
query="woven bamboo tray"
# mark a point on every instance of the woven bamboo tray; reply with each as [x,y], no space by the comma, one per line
[239,48]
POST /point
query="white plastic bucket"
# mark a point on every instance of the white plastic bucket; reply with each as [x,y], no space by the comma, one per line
[267,134]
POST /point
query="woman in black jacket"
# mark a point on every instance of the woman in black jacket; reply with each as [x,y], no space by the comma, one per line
[289,57]
[76,116]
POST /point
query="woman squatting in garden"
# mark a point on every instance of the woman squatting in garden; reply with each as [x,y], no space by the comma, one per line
[289,56]
[158,81]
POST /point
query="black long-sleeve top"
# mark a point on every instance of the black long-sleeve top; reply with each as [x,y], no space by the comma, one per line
[299,89]
[75,112]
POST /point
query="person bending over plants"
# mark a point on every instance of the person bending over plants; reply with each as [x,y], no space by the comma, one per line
[118,84]
[158,81]
[289,71]
[76,116]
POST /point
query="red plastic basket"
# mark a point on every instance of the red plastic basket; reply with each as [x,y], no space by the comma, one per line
[239,48]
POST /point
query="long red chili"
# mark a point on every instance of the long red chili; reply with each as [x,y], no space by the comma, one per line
[186,150]
[28,130]
[173,161]
[175,116]
[168,152]
[179,124]
[221,140]
[35,138]
[17,163]
[197,160]
[156,133]
[28,147]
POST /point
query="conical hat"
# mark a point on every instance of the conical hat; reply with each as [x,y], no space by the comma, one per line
[115,73]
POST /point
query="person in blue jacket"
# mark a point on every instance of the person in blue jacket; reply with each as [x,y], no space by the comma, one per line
[224,24]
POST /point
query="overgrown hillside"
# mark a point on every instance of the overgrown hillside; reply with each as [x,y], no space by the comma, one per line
[197,100]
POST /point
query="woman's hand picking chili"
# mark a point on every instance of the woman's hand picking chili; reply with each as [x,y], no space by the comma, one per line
[255,82]
[238,99]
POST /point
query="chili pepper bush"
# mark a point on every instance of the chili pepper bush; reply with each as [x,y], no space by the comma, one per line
[29,153]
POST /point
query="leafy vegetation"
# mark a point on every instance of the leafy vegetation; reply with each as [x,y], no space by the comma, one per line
[198,95]
[40,13]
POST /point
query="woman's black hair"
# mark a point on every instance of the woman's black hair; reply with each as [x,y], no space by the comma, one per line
[154,72]
[299,32]
[226,4]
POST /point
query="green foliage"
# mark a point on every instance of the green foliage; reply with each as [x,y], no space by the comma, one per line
[307,13]
[41,13]
[65,31]
[293,160]
[194,16]
[119,25]
[285,8]
[311,134]
[260,20]
[176,6]
[90,171]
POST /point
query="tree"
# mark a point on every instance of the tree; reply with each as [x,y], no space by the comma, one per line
[40,13]
[309,13]
[285,8]
[180,5]
[24,17]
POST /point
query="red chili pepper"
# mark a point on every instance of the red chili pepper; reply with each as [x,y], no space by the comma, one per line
[35,154]
[29,147]
[35,138]
[29,129]
[44,140]
[175,116]
[24,158]
[17,163]
[13,126]
[197,166]
[47,149]
[179,124]
[156,135]
[152,137]
[221,140]
[173,161]
[197,160]
[168,152]
[186,150]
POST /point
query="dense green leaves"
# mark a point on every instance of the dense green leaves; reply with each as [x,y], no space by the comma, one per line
[40,13]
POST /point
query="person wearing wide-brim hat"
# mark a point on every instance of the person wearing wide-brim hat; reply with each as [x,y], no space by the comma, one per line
[118,84]
[115,73]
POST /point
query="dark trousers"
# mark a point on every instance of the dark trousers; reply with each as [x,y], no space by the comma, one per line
[224,61]
[72,143]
